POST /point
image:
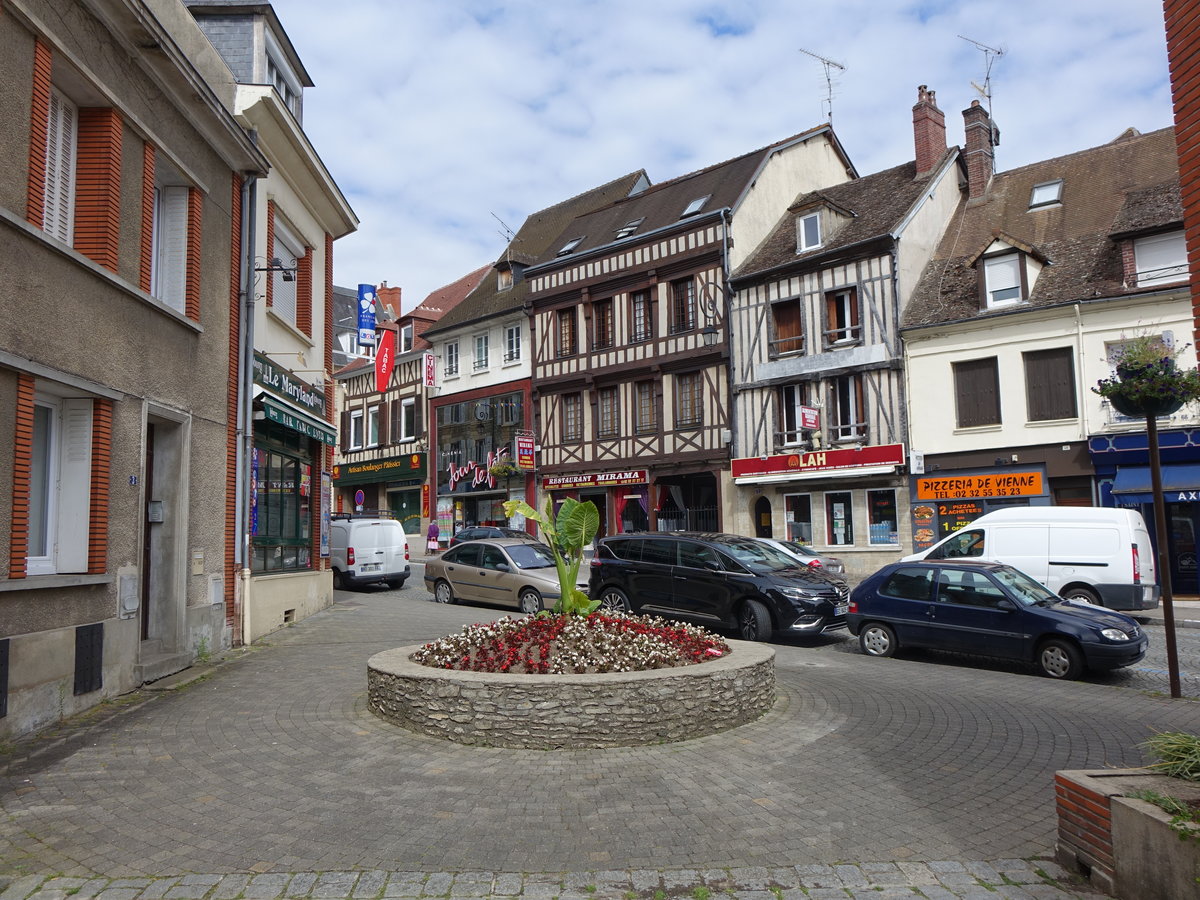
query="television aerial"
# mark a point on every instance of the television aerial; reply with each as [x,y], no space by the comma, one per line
[829,65]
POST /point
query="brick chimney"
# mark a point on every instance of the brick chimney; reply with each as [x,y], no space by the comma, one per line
[982,136]
[929,131]
[387,296]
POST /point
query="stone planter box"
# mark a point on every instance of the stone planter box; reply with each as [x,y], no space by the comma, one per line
[551,712]
[1123,845]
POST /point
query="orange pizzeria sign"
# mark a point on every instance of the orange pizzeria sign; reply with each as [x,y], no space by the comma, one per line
[993,484]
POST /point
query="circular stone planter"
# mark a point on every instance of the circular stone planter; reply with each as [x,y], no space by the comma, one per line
[549,712]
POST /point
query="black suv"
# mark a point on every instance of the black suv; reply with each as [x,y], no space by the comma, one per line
[715,580]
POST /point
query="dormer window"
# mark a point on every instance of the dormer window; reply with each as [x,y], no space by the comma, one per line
[808,232]
[1003,280]
[630,227]
[694,207]
[504,279]
[570,246]
[1048,193]
[1160,259]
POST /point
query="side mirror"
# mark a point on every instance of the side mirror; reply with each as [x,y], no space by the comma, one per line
[1006,605]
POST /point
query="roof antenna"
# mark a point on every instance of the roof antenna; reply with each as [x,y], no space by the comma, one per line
[990,55]
[829,64]
[508,234]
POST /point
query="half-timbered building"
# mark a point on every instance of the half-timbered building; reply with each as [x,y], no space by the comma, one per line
[382,462]
[630,357]
[818,423]
[480,417]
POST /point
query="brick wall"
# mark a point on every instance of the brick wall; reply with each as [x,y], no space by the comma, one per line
[1084,829]
[1183,56]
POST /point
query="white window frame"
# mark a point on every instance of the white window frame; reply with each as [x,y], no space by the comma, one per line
[406,338]
[62,131]
[372,426]
[996,281]
[512,343]
[60,506]
[804,225]
[288,249]
[1160,259]
[356,430]
[1048,193]
[481,352]
[408,419]
[792,400]
[450,354]
[169,242]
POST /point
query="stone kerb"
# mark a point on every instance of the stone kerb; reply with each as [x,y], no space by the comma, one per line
[549,712]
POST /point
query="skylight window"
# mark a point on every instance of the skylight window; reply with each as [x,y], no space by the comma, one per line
[630,227]
[695,206]
[1046,194]
[569,246]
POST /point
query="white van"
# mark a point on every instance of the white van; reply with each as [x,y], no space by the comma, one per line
[367,550]
[1095,554]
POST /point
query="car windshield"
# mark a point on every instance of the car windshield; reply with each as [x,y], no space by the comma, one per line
[798,549]
[1024,589]
[531,556]
[759,557]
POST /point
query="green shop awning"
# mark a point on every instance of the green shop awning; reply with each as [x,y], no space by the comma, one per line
[290,417]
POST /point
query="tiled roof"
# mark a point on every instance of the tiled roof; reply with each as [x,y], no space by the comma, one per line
[662,205]
[1127,185]
[876,203]
[443,299]
[530,241]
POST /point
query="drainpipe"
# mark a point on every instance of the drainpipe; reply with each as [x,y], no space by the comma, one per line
[246,405]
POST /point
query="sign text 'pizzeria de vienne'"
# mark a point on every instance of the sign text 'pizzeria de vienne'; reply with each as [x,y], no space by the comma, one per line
[818,460]
[596,479]
[989,484]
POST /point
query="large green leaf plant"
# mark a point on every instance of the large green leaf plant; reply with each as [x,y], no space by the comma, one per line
[567,534]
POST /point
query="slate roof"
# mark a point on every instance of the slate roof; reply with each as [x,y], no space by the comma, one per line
[876,203]
[531,240]
[1128,185]
[661,205]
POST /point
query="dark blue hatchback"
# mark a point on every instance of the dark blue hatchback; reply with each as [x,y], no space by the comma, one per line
[989,609]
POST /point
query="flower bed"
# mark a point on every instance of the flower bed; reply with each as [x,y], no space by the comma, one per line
[578,711]
[559,645]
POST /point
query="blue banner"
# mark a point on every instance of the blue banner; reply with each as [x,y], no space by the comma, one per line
[366,315]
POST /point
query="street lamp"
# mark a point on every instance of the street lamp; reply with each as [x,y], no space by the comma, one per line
[710,296]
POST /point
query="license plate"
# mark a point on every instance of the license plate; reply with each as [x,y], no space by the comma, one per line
[370,567]
[840,609]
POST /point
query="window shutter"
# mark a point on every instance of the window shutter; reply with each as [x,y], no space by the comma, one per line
[170,274]
[74,493]
[60,168]
[417,417]
[397,422]
[383,423]
[789,323]
[1050,384]
[977,392]
[344,432]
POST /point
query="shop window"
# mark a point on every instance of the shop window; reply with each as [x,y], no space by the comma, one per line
[282,513]
[798,509]
[789,327]
[1050,384]
[839,519]
[977,392]
[881,512]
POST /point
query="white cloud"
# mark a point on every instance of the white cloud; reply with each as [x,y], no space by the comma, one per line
[433,115]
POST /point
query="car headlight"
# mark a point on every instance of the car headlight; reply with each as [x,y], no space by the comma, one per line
[796,593]
[1114,634]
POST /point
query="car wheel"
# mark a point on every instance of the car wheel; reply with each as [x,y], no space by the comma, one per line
[443,593]
[614,600]
[395,583]
[877,639]
[530,601]
[339,580]
[1078,593]
[1060,659]
[754,622]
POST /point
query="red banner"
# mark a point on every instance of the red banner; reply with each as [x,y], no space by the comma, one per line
[385,359]
[818,460]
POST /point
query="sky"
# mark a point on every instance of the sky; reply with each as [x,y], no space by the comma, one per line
[446,122]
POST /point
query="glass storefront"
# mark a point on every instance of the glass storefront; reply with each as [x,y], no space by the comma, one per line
[281,498]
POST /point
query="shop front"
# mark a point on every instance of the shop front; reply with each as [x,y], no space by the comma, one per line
[390,486]
[289,502]
[843,502]
[943,502]
[1122,464]
[621,498]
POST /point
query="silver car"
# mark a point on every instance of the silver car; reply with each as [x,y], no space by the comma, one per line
[830,565]
[506,571]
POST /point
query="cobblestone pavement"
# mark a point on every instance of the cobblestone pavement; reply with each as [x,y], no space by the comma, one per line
[269,778]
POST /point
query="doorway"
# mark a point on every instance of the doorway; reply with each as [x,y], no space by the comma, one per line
[762,518]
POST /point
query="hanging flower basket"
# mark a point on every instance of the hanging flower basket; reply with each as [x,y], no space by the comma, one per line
[1147,382]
